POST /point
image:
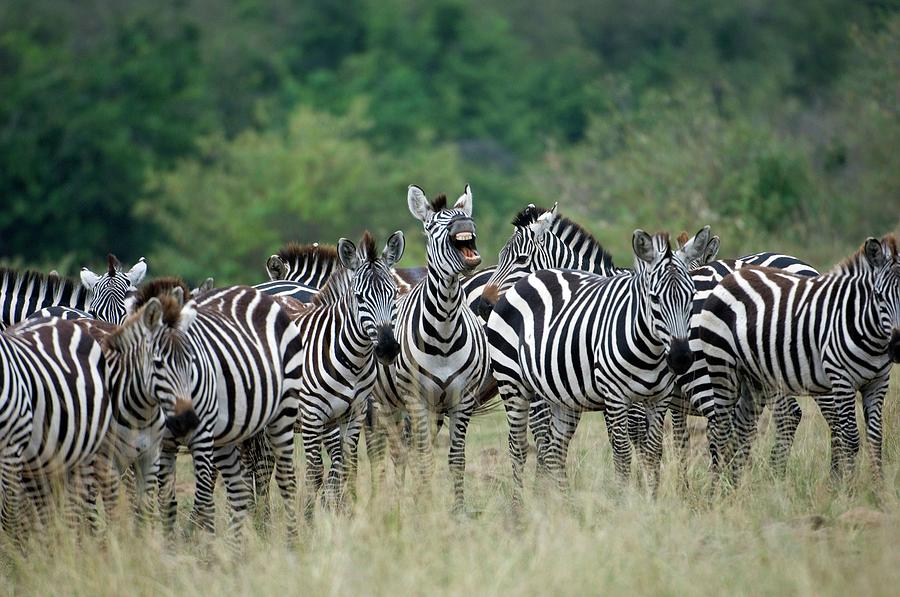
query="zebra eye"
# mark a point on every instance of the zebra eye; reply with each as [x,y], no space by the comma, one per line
[158,363]
[522,259]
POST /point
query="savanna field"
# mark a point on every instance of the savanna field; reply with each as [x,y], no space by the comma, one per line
[795,535]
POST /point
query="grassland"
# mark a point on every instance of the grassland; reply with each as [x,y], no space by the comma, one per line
[769,536]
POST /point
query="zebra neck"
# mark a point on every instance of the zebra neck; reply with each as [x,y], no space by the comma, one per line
[863,322]
[642,316]
[444,294]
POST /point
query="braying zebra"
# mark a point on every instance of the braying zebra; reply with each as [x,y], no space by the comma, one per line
[830,335]
[53,383]
[584,342]
[443,359]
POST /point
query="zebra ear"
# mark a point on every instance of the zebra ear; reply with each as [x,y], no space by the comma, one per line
[695,247]
[88,278]
[137,273]
[642,243]
[178,295]
[207,285]
[152,313]
[347,254]
[542,225]
[276,268]
[874,252]
[465,201]
[419,206]
[393,249]
[712,250]
[188,316]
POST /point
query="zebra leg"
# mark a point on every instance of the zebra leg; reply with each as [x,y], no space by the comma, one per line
[38,493]
[517,413]
[11,515]
[637,425]
[168,504]
[616,414]
[228,461]
[873,401]
[147,483]
[351,449]
[746,418]
[656,416]
[562,428]
[86,484]
[787,415]
[281,437]
[421,440]
[459,425]
[539,421]
[203,513]
[828,408]
[680,435]
[376,443]
[312,431]
[335,481]
[399,444]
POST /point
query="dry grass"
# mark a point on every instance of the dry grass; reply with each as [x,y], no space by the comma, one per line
[769,536]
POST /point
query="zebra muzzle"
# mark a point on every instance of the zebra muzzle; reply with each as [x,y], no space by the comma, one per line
[184,420]
[386,347]
[489,298]
[680,356]
[462,237]
[894,346]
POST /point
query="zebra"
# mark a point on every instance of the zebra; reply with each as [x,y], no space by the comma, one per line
[585,342]
[22,293]
[830,335]
[56,413]
[245,374]
[443,359]
[544,239]
[347,329]
[299,271]
[109,291]
[148,380]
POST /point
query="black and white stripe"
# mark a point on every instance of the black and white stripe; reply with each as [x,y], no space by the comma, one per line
[110,290]
[782,334]
[245,374]
[349,325]
[443,359]
[584,342]
[53,374]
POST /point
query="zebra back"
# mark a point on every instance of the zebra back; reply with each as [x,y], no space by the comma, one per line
[23,293]
[63,370]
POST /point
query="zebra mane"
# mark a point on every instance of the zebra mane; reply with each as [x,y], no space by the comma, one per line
[159,288]
[367,246]
[858,262]
[529,215]
[566,230]
[296,253]
[335,288]
[439,202]
[171,315]
[54,283]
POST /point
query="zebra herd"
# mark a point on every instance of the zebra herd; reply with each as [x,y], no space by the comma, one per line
[103,382]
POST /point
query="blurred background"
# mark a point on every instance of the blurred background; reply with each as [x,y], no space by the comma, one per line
[203,134]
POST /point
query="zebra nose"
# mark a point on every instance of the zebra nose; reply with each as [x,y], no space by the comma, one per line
[386,348]
[489,298]
[184,420]
[680,356]
[894,346]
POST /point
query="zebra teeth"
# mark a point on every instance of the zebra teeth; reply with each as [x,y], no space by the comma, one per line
[464,236]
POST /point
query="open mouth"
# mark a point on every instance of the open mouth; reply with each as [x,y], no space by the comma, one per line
[464,242]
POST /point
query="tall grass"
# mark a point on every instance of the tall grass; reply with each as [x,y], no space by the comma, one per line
[795,535]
